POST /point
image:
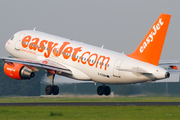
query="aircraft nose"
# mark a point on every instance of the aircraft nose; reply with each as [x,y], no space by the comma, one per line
[6,45]
[167,75]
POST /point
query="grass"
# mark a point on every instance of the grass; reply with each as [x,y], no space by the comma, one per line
[90,112]
[88,99]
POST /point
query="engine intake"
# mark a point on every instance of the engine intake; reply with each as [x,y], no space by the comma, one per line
[26,73]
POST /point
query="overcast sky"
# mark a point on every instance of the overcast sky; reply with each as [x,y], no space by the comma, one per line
[119,25]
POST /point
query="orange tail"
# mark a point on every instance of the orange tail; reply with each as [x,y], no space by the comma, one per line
[149,50]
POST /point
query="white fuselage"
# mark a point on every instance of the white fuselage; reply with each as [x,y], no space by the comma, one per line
[89,63]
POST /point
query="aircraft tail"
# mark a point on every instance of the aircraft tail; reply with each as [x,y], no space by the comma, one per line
[149,50]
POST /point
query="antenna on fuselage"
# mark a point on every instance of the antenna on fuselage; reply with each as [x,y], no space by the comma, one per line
[34,29]
[102,47]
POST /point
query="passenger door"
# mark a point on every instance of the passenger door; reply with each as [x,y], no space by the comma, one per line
[18,41]
[117,65]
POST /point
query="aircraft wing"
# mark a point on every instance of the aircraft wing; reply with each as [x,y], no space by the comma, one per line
[45,64]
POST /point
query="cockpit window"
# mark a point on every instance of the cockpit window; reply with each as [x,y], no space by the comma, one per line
[12,38]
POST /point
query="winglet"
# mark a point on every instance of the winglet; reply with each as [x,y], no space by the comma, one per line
[149,50]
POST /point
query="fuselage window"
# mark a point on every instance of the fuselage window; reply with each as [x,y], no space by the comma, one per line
[12,38]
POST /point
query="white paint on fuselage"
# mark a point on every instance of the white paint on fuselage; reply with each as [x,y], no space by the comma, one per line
[84,71]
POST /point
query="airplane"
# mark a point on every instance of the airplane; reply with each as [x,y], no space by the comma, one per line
[33,50]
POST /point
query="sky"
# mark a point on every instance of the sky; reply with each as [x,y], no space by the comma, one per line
[119,25]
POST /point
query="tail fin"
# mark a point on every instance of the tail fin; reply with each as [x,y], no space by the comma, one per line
[149,50]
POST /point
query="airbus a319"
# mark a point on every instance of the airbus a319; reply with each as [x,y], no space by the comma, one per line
[33,50]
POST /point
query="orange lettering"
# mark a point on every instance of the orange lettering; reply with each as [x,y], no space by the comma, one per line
[94,60]
[82,57]
[33,45]
[103,61]
[68,51]
[50,47]
[24,40]
[76,50]
[42,46]
[58,53]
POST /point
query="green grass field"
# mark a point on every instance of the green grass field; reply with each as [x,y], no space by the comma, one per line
[89,99]
[89,112]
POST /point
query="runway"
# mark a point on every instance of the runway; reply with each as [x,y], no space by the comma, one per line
[95,104]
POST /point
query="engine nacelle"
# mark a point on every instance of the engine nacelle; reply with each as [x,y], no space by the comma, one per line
[18,71]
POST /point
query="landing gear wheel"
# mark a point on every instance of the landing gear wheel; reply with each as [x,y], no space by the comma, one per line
[49,89]
[55,90]
[107,90]
[52,90]
[100,90]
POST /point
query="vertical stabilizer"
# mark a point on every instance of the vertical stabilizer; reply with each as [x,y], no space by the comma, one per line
[149,50]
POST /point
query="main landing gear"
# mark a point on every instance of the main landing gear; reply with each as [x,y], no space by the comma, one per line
[106,90]
[51,89]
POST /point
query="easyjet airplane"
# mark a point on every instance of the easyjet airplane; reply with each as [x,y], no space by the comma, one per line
[33,50]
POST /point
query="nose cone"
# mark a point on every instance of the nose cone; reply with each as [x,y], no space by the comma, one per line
[8,46]
[167,75]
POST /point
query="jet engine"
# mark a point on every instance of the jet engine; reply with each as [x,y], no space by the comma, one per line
[18,71]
